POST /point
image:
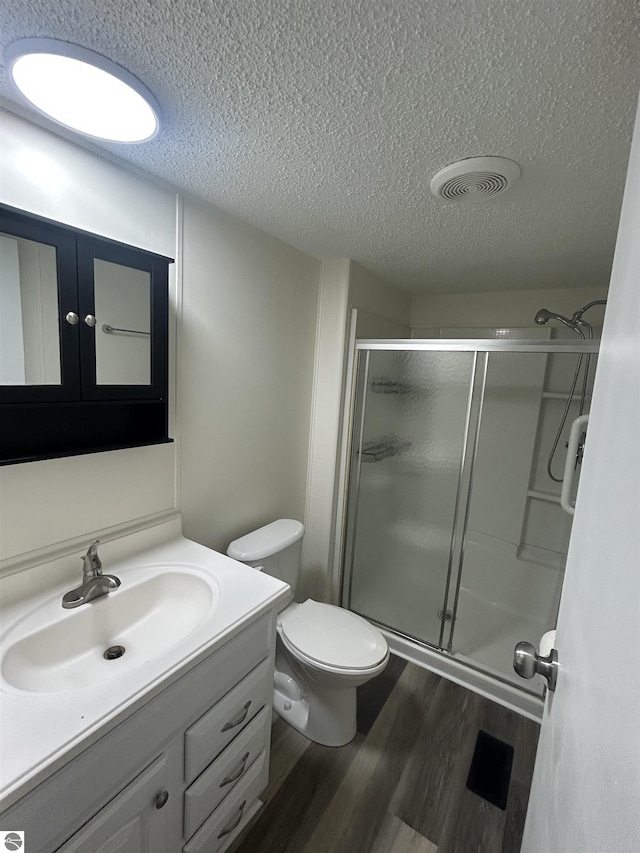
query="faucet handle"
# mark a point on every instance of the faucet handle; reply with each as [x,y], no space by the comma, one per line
[92,550]
[91,563]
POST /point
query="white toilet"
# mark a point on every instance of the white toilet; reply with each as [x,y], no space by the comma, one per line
[323,653]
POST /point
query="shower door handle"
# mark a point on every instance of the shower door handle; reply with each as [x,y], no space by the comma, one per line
[577,428]
[527,663]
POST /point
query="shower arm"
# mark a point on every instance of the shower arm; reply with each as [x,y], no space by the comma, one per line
[577,316]
[587,364]
[577,319]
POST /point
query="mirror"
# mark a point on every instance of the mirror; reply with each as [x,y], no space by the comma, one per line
[29,322]
[83,341]
[123,324]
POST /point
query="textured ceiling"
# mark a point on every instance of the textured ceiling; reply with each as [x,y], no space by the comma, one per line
[323,121]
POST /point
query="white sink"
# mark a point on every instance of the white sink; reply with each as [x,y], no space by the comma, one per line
[157,607]
[178,602]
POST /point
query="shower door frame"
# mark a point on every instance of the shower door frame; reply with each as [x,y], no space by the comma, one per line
[348,499]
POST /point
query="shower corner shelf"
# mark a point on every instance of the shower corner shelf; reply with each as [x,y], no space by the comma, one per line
[543,496]
[563,395]
[383,448]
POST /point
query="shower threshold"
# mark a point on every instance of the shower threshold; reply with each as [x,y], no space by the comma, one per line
[465,673]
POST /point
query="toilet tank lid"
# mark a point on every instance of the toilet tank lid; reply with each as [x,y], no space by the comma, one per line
[266,541]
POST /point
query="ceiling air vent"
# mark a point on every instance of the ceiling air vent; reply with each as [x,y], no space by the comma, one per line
[475,178]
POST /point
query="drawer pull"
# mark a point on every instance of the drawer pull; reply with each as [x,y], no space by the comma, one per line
[161,799]
[243,716]
[238,774]
[229,829]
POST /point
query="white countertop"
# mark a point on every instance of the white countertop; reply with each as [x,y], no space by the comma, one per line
[40,732]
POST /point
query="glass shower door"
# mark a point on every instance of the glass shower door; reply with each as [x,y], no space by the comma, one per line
[412,414]
[516,534]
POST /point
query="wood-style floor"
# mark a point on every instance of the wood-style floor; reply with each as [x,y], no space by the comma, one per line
[400,786]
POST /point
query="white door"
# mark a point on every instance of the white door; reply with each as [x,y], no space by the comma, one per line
[585,796]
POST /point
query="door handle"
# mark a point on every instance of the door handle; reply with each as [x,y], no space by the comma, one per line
[527,663]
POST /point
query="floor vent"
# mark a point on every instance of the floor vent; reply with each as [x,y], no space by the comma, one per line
[490,770]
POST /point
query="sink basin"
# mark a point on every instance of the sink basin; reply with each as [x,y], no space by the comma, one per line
[53,650]
[179,602]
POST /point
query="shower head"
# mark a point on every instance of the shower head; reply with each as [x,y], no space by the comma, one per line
[544,315]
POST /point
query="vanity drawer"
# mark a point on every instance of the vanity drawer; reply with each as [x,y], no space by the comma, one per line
[233,813]
[208,737]
[221,777]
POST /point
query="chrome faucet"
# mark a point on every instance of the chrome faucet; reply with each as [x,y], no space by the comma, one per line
[94,583]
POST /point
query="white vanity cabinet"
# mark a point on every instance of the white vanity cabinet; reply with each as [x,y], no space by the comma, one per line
[181,773]
[135,821]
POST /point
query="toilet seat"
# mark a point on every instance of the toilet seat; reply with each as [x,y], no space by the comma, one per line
[331,637]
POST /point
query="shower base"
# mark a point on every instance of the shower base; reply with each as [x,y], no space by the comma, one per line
[465,674]
[484,638]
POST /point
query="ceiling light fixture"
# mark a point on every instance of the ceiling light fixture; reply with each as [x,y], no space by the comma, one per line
[83,90]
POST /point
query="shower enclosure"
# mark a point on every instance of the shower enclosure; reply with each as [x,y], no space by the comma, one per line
[454,537]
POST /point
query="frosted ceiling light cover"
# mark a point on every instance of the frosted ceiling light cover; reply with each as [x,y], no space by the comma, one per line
[83,91]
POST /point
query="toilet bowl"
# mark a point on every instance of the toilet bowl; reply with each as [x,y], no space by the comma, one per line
[323,652]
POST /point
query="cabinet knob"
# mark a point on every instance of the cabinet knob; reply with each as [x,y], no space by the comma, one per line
[90,320]
[72,318]
[161,799]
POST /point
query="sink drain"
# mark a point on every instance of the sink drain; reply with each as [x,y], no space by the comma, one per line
[114,652]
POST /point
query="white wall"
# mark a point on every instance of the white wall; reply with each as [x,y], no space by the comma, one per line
[246,362]
[383,310]
[246,351]
[511,309]
[328,377]
[47,502]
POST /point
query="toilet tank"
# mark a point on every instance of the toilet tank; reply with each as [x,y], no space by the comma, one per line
[276,547]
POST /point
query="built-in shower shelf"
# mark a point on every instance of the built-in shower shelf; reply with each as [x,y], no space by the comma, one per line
[543,496]
[383,448]
[542,556]
[560,395]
